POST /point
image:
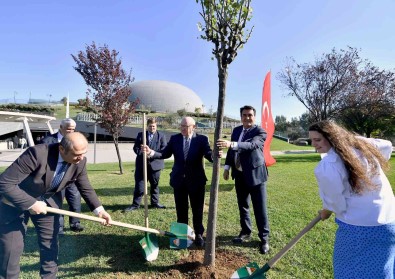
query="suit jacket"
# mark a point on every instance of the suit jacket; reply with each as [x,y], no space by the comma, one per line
[158,142]
[192,168]
[250,151]
[30,177]
[52,138]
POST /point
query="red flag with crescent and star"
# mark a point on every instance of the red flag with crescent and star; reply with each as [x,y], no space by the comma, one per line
[267,120]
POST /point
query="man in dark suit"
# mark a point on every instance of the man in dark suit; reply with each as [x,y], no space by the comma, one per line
[187,177]
[245,158]
[156,141]
[73,197]
[30,184]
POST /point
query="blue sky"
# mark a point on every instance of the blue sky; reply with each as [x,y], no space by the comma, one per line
[158,40]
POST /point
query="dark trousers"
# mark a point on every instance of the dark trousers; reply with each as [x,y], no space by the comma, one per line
[196,198]
[257,195]
[12,243]
[73,198]
[153,177]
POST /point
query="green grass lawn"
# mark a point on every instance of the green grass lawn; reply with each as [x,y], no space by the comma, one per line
[114,252]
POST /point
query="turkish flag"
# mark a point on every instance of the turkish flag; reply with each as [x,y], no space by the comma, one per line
[267,120]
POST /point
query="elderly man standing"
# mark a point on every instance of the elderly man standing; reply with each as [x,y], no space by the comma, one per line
[73,196]
[245,158]
[187,177]
[30,184]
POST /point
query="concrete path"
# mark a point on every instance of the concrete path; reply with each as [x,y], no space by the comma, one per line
[105,153]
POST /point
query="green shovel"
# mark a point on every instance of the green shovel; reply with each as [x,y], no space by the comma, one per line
[149,242]
[252,270]
[181,235]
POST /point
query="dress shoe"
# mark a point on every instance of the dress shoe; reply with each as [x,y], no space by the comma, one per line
[131,208]
[199,241]
[264,247]
[158,205]
[76,227]
[61,231]
[241,238]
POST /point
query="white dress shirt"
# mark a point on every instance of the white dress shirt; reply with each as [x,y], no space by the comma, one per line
[370,208]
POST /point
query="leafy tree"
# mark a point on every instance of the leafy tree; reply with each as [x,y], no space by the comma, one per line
[280,122]
[224,22]
[370,104]
[109,88]
[64,101]
[321,86]
[305,121]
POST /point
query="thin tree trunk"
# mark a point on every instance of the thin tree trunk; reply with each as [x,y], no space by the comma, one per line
[119,155]
[209,253]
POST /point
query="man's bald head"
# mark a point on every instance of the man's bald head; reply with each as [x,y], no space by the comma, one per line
[73,147]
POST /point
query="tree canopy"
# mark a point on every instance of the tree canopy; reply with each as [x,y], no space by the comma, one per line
[108,88]
[341,86]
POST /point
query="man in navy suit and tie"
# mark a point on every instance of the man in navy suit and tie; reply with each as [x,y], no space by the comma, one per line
[73,196]
[245,159]
[34,181]
[187,177]
[156,141]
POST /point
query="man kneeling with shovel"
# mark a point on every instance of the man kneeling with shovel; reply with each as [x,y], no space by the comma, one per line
[33,182]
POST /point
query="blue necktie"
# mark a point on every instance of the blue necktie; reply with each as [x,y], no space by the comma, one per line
[59,176]
[238,164]
[186,148]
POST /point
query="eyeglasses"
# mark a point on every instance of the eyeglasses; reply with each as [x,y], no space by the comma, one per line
[185,126]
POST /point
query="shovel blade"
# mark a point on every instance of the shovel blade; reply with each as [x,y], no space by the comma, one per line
[150,246]
[183,236]
[248,272]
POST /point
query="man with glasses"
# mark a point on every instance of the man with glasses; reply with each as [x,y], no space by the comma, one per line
[187,177]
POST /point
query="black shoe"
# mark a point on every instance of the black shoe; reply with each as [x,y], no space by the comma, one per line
[131,208]
[241,238]
[264,247]
[158,205]
[199,241]
[61,231]
[77,227]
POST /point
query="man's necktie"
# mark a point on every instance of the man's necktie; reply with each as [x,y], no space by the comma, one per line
[238,164]
[59,176]
[186,148]
[150,136]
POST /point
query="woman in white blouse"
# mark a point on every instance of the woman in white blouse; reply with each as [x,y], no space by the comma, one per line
[352,184]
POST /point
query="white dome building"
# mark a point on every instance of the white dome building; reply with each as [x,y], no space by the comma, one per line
[164,96]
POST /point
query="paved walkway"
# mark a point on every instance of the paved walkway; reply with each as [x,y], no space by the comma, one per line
[105,153]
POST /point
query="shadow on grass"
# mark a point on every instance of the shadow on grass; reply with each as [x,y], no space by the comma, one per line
[123,254]
[128,190]
[298,158]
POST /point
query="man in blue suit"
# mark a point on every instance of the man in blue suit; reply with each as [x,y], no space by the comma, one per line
[73,196]
[245,159]
[156,141]
[187,177]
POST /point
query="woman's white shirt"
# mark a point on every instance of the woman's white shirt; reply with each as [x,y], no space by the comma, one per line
[371,208]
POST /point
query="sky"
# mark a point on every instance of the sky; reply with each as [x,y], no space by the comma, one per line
[159,40]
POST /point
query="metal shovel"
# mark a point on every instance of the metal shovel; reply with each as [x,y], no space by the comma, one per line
[252,270]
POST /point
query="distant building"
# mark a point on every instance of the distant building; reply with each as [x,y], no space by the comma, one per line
[164,96]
